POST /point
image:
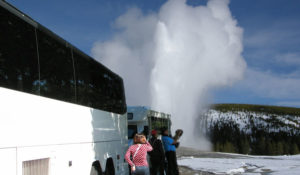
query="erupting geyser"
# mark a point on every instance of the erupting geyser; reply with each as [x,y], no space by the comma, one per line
[171,60]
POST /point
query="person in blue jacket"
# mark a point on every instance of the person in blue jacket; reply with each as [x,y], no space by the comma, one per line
[170,152]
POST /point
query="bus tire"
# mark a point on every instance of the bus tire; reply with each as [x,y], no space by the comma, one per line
[109,168]
[96,168]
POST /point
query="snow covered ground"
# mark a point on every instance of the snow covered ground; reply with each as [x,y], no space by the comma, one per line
[243,164]
[271,122]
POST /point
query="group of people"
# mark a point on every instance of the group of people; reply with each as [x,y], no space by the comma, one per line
[162,154]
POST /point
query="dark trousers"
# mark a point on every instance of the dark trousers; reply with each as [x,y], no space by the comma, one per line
[129,167]
[172,163]
[156,168]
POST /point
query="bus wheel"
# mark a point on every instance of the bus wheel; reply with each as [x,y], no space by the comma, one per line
[96,168]
[109,168]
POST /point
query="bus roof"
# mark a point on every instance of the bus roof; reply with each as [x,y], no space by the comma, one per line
[141,113]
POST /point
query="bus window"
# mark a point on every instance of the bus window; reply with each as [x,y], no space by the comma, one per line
[129,115]
[18,54]
[155,123]
[159,123]
[35,60]
[89,82]
[97,87]
[56,68]
[132,129]
[146,131]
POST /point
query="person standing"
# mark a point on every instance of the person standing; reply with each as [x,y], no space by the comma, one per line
[138,151]
[157,157]
[131,142]
[170,152]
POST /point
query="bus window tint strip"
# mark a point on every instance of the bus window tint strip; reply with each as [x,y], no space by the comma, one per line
[56,65]
[20,48]
[18,56]
[96,86]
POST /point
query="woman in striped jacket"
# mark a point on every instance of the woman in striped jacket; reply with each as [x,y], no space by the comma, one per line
[138,152]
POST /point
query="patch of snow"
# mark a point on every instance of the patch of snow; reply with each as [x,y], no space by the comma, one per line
[283,165]
[236,171]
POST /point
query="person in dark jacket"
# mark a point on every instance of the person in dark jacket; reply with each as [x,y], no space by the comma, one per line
[157,157]
[170,152]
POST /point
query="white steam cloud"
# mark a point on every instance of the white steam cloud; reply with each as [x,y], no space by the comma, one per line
[171,60]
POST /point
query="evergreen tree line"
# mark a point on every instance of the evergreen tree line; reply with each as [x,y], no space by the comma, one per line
[228,137]
[279,110]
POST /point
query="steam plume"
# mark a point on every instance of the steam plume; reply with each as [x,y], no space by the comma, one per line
[172,59]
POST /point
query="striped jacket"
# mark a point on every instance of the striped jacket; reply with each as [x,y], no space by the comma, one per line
[140,158]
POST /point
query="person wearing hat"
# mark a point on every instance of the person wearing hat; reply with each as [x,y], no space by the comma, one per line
[157,155]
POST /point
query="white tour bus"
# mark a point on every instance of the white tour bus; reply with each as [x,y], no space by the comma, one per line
[61,112]
[143,119]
